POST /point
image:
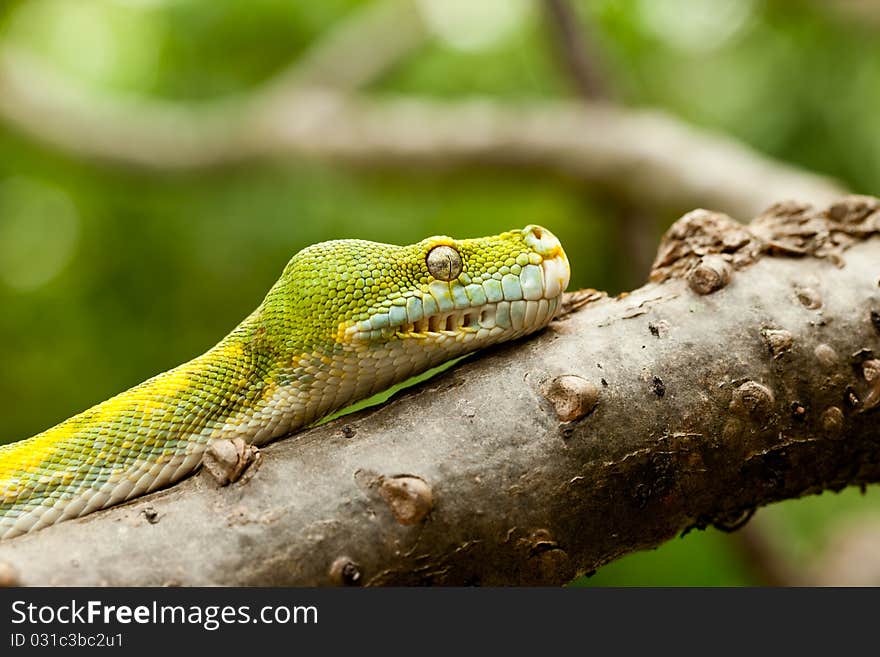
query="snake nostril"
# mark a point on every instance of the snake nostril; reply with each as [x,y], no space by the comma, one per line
[542,241]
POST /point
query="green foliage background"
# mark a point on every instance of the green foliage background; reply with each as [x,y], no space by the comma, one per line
[108,276]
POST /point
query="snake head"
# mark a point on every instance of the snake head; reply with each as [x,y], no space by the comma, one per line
[467,291]
[454,294]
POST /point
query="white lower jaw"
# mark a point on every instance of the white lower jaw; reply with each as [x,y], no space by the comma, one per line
[493,318]
[556,273]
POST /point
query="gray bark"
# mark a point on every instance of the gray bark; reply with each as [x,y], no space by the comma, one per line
[746,373]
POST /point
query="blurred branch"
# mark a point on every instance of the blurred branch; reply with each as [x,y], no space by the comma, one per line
[646,157]
[574,52]
[626,422]
[851,556]
[633,224]
[861,12]
[758,544]
[358,50]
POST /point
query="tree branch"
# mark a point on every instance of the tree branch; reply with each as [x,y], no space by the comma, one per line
[633,225]
[643,156]
[576,55]
[746,373]
[358,50]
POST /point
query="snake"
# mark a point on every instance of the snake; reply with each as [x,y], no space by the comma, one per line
[347,319]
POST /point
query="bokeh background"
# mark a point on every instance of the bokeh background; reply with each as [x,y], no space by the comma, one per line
[111,271]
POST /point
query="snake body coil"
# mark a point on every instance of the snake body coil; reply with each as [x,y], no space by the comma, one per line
[347,319]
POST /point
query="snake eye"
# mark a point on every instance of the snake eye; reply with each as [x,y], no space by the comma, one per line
[444,263]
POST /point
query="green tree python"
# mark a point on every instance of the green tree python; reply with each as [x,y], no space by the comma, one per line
[347,319]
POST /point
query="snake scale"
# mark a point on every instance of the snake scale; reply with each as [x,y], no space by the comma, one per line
[347,319]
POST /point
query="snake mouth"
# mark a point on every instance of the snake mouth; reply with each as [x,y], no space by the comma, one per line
[496,318]
[515,303]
